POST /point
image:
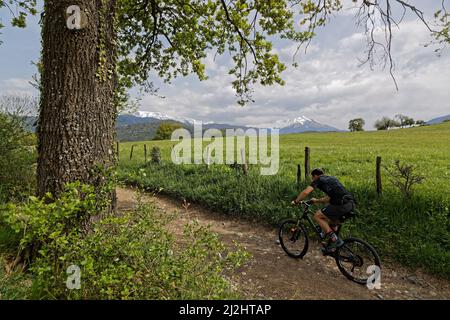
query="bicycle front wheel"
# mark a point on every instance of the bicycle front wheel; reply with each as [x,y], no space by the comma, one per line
[293,238]
[355,260]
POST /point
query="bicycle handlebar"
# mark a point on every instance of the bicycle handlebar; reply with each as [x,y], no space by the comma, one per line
[307,203]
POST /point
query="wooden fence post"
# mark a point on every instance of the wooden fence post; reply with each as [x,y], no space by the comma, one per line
[299,174]
[145,153]
[118,149]
[244,162]
[207,157]
[307,163]
[131,152]
[378,175]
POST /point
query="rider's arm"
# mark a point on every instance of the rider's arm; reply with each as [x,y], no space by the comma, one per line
[304,194]
[323,200]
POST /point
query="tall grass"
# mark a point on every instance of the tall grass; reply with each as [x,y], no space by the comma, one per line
[415,231]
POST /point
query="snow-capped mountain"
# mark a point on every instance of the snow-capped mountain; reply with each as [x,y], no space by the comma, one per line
[164,117]
[143,125]
[301,124]
[289,122]
[146,122]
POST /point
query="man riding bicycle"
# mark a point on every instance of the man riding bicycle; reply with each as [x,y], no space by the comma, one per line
[339,203]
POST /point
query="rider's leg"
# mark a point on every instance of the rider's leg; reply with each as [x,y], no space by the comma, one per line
[322,220]
[334,225]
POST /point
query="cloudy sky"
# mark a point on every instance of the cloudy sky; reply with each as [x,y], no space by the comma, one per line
[329,85]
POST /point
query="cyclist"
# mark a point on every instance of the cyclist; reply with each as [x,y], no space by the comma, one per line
[339,203]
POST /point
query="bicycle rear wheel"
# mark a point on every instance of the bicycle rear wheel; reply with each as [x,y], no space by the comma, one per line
[293,238]
[354,259]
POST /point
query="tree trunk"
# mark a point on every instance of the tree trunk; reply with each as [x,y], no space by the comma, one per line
[77,108]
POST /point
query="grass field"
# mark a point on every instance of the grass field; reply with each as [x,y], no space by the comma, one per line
[351,156]
[415,231]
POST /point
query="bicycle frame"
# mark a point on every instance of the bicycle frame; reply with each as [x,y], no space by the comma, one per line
[307,212]
[345,256]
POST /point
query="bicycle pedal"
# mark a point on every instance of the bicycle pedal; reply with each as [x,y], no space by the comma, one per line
[327,252]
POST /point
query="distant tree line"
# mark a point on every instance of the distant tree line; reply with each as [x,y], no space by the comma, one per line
[399,121]
[385,123]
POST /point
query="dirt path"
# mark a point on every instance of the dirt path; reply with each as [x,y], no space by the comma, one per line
[271,274]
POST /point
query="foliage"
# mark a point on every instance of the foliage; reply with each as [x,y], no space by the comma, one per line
[414,232]
[17,158]
[129,256]
[442,19]
[156,154]
[165,130]
[403,176]
[356,125]
[138,131]
[19,10]
[405,121]
[420,123]
[173,37]
[386,123]
[44,222]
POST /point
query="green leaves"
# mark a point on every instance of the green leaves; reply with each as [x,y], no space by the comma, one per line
[19,21]
[442,20]
[128,256]
[17,156]
[19,9]
[165,131]
[172,38]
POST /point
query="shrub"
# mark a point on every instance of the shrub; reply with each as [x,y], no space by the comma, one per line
[156,154]
[17,158]
[46,223]
[404,177]
[129,256]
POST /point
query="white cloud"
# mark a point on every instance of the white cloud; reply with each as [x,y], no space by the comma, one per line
[17,86]
[329,86]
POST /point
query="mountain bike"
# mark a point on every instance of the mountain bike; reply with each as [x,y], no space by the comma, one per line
[353,258]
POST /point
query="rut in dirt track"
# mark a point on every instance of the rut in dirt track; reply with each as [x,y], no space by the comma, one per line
[271,274]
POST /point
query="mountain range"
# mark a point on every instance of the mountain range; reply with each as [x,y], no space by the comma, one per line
[301,124]
[439,119]
[134,127]
[143,125]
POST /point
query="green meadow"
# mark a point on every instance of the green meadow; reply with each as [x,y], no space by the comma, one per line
[414,231]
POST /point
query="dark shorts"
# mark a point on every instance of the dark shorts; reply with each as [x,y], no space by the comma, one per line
[334,212]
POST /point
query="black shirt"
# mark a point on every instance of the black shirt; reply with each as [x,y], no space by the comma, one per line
[333,188]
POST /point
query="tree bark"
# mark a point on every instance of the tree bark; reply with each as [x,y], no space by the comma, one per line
[77,108]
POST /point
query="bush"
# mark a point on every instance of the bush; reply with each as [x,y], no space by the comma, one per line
[131,256]
[17,158]
[404,177]
[156,154]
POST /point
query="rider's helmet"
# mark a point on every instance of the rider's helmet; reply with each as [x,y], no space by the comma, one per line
[317,172]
